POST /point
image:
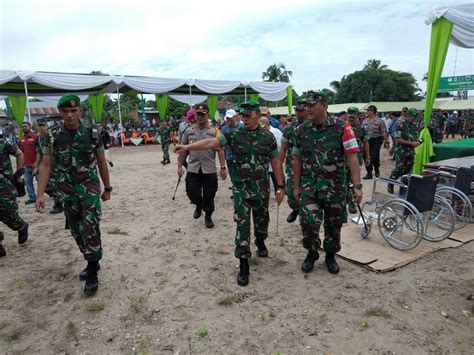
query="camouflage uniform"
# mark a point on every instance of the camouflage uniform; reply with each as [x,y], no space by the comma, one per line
[323,183]
[251,155]
[40,144]
[78,186]
[469,125]
[405,155]
[436,127]
[8,192]
[289,139]
[362,135]
[165,139]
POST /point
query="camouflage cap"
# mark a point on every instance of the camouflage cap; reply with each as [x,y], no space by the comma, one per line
[69,100]
[300,104]
[412,112]
[315,96]
[249,106]
[353,111]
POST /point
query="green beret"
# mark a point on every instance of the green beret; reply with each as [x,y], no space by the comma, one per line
[412,112]
[69,100]
[249,106]
[353,111]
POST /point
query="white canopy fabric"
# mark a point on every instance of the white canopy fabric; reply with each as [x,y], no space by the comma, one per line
[189,99]
[47,84]
[462,18]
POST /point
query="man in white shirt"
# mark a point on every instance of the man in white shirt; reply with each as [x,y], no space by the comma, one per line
[265,124]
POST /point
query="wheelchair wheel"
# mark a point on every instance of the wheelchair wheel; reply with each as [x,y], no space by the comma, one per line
[365,231]
[440,221]
[459,202]
[400,224]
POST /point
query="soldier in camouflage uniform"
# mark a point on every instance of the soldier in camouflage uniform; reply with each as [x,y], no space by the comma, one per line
[436,127]
[8,191]
[469,124]
[253,148]
[287,144]
[406,140]
[40,142]
[322,146]
[165,132]
[362,135]
[76,151]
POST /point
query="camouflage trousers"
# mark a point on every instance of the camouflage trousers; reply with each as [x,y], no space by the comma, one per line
[82,219]
[403,165]
[289,190]
[166,147]
[313,211]
[9,215]
[243,208]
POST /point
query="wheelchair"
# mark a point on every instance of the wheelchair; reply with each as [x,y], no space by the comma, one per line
[416,213]
[455,186]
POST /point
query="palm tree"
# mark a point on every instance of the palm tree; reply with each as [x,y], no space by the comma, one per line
[374,65]
[335,85]
[277,72]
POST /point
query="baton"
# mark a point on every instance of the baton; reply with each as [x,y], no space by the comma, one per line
[278,217]
[176,189]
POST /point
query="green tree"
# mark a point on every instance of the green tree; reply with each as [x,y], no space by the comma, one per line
[375,82]
[277,72]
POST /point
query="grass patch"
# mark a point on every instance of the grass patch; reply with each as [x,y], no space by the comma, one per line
[123,278]
[226,300]
[143,350]
[95,306]
[377,312]
[124,317]
[203,333]
[267,315]
[136,304]
[71,324]
[118,231]
[13,335]
[222,252]
[364,324]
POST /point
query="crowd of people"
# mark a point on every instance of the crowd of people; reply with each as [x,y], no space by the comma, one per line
[315,159]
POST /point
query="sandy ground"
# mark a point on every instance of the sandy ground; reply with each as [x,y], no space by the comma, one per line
[168,285]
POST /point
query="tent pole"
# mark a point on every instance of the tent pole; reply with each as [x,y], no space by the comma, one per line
[245,91]
[190,96]
[27,103]
[120,115]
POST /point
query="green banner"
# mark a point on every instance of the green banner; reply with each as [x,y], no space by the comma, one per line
[456,83]
[212,103]
[161,105]
[97,104]
[289,96]
[18,107]
[440,35]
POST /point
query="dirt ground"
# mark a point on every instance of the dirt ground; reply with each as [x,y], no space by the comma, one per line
[167,285]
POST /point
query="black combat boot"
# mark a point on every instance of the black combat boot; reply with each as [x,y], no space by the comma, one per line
[390,188]
[308,262]
[83,274]
[163,162]
[377,172]
[57,208]
[331,263]
[111,164]
[292,216]
[352,207]
[2,251]
[197,212]
[23,235]
[208,220]
[167,161]
[368,176]
[243,277]
[262,250]
[92,281]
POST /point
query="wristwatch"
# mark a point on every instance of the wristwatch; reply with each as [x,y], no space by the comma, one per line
[357,186]
[222,167]
[108,189]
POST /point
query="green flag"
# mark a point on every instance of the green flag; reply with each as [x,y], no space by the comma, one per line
[18,107]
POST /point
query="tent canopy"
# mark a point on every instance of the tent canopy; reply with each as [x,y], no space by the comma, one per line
[15,83]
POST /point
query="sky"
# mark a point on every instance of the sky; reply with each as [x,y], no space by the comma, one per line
[319,40]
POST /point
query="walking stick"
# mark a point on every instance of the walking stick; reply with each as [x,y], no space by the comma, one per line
[176,189]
